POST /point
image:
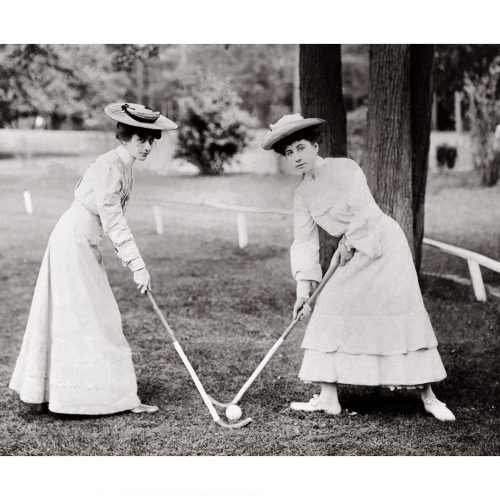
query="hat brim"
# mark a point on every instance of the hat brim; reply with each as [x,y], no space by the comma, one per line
[116,113]
[276,135]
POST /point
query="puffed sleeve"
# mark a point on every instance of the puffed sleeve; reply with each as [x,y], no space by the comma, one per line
[304,252]
[106,185]
[363,231]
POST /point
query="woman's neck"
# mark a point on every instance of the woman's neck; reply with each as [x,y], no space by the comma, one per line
[125,156]
[316,168]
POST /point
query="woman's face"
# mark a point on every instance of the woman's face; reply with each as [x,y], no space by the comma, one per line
[302,155]
[139,147]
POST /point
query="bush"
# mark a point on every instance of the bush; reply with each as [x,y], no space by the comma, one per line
[451,157]
[446,155]
[213,128]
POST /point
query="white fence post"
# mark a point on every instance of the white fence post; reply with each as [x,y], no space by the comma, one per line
[28,203]
[158,216]
[477,280]
[242,230]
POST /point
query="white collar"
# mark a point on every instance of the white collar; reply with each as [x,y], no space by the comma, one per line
[124,155]
[317,168]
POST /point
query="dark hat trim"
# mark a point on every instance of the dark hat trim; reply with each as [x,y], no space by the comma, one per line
[133,113]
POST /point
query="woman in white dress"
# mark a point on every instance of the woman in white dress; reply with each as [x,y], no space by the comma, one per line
[74,355]
[369,325]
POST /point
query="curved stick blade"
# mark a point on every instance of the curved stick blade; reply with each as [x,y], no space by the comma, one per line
[218,403]
[237,425]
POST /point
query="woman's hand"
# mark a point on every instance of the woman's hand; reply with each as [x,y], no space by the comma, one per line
[143,280]
[304,290]
[300,307]
[346,254]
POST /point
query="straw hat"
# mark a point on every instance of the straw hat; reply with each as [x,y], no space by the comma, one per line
[286,126]
[138,115]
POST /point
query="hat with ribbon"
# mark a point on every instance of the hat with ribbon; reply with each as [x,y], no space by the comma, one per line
[287,125]
[138,115]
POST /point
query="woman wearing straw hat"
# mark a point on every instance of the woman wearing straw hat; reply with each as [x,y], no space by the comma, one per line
[74,355]
[369,326]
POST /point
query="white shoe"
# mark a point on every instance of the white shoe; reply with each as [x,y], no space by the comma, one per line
[144,409]
[313,405]
[438,409]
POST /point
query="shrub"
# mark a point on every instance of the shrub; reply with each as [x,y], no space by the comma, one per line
[441,151]
[451,157]
[213,128]
[446,155]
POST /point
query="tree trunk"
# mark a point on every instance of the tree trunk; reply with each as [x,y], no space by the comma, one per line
[139,80]
[56,120]
[296,82]
[492,172]
[421,84]
[389,152]
[458,97]
[484,145]
[320,69]
[399,125]
[434,114]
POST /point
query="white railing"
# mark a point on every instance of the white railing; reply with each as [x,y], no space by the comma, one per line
[241,218]
[474,261]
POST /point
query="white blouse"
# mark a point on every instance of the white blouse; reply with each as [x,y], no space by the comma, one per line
[337,199]
[104,190]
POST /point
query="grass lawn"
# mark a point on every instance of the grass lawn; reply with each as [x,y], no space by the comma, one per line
[227,306]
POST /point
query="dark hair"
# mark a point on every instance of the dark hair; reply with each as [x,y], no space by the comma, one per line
[311,134]
[125,132]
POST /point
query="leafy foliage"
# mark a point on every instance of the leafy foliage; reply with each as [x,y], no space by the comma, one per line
[61,81]
[35,80]
[214,128]
[355,75]
[474,69]
[57,81]
[124,56]
[484,109]
[76,81]
[262,75]
[454,64]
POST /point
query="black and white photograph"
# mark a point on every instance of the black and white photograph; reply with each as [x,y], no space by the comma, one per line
[249,250]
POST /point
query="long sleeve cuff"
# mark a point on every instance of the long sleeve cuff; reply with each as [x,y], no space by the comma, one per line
[303,288]
[136,264]
[314,274]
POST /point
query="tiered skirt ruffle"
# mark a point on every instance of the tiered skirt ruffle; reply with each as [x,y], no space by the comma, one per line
[370,326]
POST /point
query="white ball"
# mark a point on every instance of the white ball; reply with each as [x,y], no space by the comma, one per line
[233,412]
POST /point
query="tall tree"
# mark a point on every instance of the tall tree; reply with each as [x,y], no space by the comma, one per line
[421,88]
[388,150]
[138,61]
[399,120]
[320,70]
[261,74]
[57,82]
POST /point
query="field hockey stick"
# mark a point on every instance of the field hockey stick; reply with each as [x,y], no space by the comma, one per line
[333,266]
[190,369]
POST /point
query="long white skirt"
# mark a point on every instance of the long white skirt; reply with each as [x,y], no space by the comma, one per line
[74,354]
[369,325]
